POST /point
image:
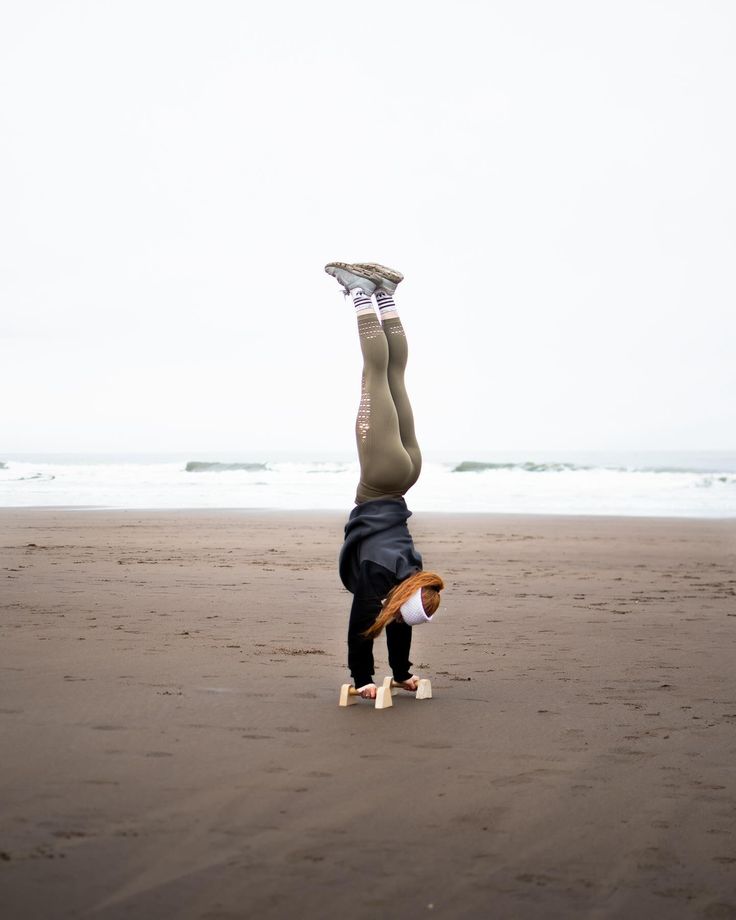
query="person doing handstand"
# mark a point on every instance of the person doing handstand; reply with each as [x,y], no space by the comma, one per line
[378,562]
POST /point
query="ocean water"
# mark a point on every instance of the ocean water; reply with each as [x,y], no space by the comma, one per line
[677,484]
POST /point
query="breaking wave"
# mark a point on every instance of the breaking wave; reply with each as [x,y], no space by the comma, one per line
[530,466]
[197,466]
[474,466]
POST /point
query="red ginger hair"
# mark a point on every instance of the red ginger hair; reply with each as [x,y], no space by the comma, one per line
[431,585]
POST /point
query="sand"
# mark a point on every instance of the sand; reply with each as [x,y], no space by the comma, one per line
[172,745]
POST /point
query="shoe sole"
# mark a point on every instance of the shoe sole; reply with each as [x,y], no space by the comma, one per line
[353,267]
[389,274]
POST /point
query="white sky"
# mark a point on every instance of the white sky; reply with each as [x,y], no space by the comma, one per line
[555,179]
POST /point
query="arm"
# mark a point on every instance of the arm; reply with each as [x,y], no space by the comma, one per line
[374,583]
[398,637]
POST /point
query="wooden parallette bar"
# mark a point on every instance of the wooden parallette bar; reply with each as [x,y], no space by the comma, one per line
[423,691]
[385,693]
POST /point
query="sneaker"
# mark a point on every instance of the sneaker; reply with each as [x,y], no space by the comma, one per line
[353,276]
[387,278]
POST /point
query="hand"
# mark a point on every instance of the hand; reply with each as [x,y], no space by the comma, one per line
[410,684]
[368,692]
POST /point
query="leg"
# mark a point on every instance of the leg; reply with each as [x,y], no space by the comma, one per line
[398,354]
[389,455]
[385,465]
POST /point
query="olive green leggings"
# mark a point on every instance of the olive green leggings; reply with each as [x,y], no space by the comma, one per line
[390,459]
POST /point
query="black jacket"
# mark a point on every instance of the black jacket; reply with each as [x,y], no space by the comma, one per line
[378,553]
[376,531]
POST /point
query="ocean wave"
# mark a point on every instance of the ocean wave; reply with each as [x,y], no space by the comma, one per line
[475,466]
[44,477]
[274,467]
[707,481]
[197,466]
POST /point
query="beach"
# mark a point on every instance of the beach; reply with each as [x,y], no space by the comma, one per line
[172,744]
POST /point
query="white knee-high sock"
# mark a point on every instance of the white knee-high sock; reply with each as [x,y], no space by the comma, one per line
[386,305]
[362,302]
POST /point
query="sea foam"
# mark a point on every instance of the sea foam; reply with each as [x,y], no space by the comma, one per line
[661,486]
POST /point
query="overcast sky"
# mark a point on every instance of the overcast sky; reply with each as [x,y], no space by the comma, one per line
[555,179]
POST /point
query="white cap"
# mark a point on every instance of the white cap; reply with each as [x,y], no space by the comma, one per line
[412,611]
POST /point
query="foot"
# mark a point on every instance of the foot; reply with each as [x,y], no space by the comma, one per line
[387,278]
[368,691]
[351,276]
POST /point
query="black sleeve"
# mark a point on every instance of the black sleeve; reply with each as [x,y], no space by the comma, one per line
[373,584]
[398,637]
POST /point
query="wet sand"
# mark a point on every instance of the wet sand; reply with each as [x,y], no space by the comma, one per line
[172,745]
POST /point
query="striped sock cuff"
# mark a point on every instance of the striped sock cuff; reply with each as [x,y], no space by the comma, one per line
[385,302]
[361,300]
